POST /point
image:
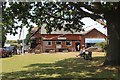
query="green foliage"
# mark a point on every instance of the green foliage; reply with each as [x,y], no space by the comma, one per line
[11,41]
[27,39]
[17,12]
[53,14]
[103,45]
[19,41]
[15,44]
[28,36]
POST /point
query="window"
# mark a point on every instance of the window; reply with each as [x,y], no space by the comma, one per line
[68,43]
[48,43]
[58,42]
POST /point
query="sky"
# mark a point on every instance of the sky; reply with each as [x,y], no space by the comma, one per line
[89,24]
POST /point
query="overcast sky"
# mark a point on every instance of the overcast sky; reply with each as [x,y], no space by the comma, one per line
[89,24]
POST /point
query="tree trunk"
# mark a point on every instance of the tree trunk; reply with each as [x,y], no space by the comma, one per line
[113,49]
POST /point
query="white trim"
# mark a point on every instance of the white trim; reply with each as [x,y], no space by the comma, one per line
[94,40]
[61,38]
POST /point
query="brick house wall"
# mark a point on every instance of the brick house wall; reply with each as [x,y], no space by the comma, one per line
[94,33]
[75,40]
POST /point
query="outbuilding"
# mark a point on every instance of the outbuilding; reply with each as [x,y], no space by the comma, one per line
[64,41]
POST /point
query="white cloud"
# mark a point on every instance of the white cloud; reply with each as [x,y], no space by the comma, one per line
[16,37]
[89,24]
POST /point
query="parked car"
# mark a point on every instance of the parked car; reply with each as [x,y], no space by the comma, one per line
[3,53]
[11,50]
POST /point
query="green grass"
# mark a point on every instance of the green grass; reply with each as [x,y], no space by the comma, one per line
[55,65]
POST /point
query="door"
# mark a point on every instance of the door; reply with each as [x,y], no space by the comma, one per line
[58,45]
[77,46]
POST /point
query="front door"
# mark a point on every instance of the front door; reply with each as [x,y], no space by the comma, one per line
[58,45]
[78,46]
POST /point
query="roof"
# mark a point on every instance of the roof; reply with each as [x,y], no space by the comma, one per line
[43,31]
[85,32]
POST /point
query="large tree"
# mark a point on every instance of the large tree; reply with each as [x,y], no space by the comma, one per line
[67,16]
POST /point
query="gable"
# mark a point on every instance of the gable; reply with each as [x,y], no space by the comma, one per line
[94,33]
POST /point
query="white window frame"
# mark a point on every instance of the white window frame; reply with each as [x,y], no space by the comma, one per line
[70,43]
[46,43]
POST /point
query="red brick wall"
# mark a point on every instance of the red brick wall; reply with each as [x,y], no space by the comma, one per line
[95,34]
[64,46]
[69,37]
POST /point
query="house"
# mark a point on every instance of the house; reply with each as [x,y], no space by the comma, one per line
[63,41]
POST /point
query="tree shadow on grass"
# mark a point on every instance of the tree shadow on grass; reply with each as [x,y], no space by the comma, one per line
[71,68]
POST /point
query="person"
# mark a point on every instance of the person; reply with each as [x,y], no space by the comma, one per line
[20,49]
[78,47]
[85,53]
[88,55]
[82,52]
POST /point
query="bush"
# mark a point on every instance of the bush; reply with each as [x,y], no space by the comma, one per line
[16,45]
[103,45]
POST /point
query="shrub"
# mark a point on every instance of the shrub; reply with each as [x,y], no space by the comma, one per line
[16,45]
[103,45]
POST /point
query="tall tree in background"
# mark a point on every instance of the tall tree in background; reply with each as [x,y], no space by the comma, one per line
[2,37]
[28,36]
[67,16]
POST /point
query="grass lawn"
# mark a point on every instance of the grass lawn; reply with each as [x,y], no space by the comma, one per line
[55,65]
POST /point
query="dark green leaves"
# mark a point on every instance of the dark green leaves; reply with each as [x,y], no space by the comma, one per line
[53,14]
